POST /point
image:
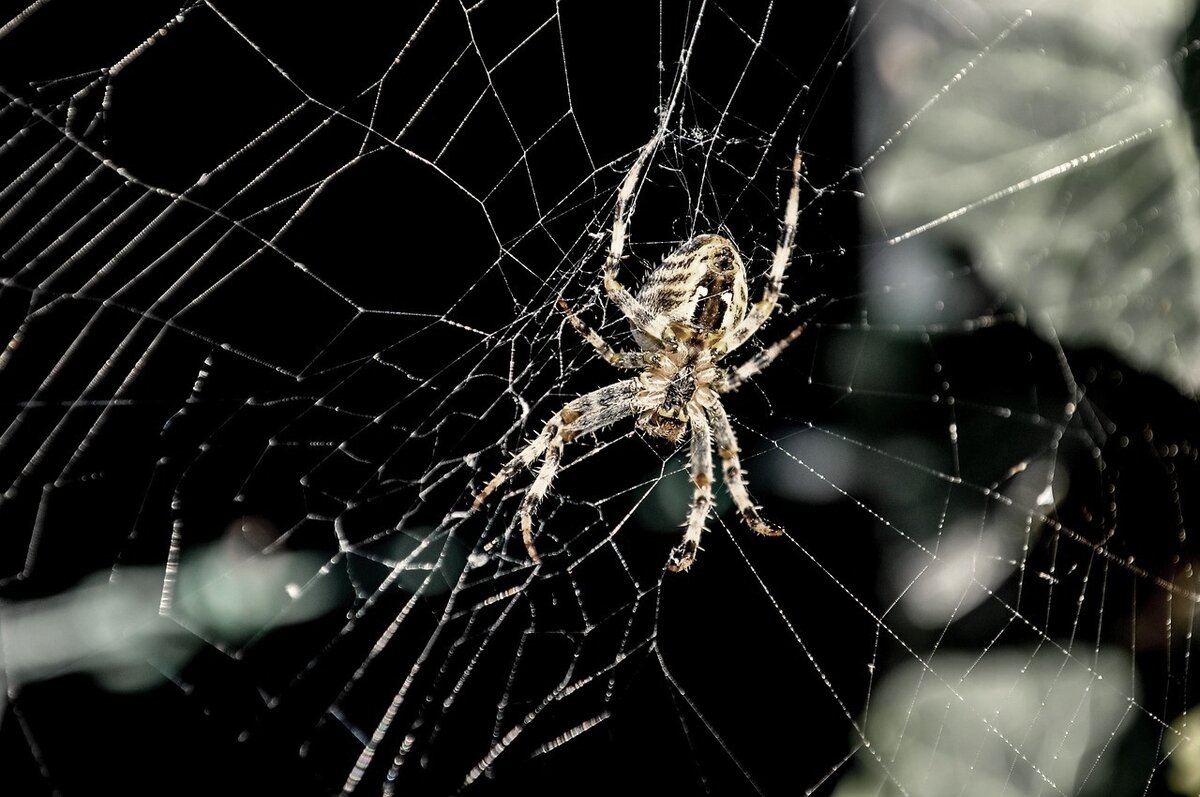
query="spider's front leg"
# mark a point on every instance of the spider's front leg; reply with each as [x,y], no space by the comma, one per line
[735,477]
[588,413]
[684,554]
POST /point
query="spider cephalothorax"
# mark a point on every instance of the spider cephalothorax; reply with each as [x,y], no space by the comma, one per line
[690,313]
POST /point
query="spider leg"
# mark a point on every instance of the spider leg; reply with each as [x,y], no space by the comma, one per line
[762,309]
[637,313]
[735,477]
[737,377]
[588,413]
[684,554]
[614,357]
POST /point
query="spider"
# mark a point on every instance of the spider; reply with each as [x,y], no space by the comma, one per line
[690,314]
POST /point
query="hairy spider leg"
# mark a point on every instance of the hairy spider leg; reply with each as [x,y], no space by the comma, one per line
[614,357]
[684,554]
[762,309]
[734,476]
[737,377]
[588,413]
[638,314]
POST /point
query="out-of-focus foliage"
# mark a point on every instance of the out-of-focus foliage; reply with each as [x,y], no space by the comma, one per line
[1101,255]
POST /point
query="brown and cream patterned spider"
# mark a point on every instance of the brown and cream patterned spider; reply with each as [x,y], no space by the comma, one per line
[689,315]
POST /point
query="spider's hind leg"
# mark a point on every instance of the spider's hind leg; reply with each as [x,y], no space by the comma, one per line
[761,310]
[639,315]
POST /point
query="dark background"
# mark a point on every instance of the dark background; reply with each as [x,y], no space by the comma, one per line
[430,219]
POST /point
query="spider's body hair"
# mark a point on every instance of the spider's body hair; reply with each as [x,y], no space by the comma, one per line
[699,291]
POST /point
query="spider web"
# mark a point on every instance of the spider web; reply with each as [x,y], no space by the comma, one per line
[280,286]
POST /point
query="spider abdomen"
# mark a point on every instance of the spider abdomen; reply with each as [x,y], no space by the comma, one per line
[699,290]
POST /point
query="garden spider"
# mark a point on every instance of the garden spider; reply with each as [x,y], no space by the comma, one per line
[691,312]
